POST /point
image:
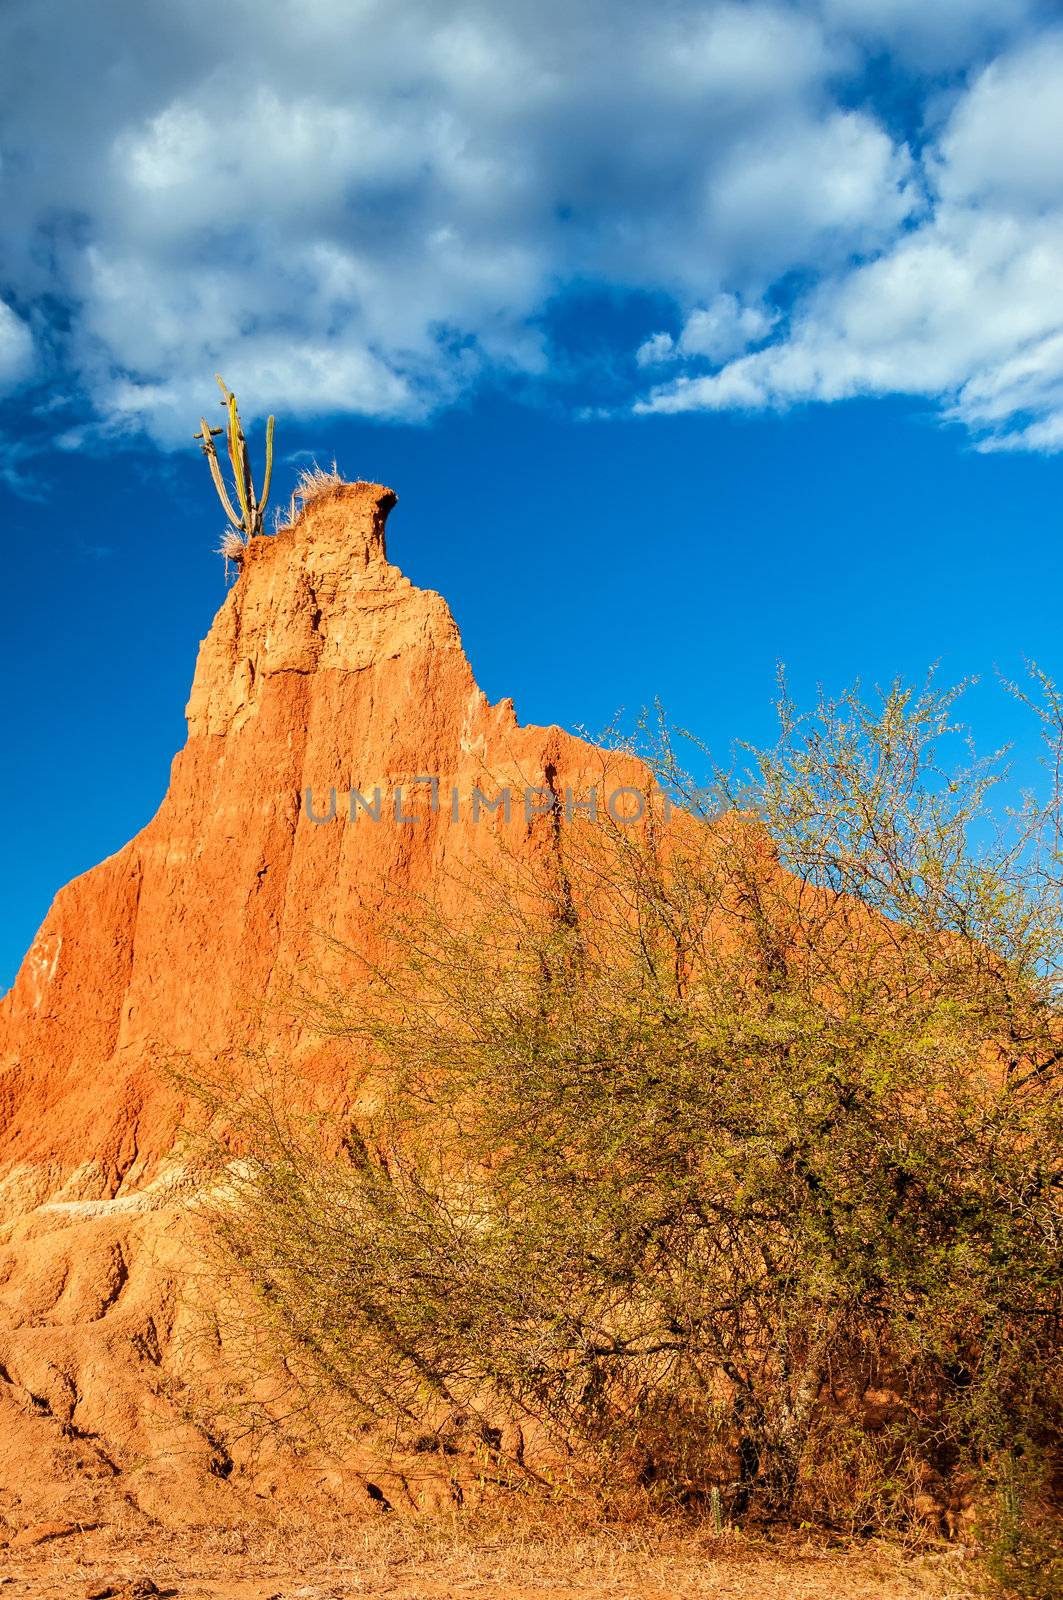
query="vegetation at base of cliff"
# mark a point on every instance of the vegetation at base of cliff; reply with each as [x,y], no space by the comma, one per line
[715,1161]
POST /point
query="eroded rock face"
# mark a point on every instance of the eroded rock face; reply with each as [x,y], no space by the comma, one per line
[325,667]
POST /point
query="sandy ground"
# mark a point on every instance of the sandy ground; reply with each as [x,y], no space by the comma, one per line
[426,1564]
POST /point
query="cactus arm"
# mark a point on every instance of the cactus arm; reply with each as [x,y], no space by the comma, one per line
[230,438]
[238,457]
[234,438]
[215,472]
[232,435]
[251,506]
[269,466]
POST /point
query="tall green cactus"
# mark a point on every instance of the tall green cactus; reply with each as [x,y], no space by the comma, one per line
[249,520]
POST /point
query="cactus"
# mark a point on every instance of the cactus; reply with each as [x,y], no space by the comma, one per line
[248,519]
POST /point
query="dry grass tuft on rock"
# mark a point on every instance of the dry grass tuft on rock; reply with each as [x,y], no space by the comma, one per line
[314,483]
[233,546]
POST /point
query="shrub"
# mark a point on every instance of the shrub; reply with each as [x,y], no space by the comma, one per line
[716,1160]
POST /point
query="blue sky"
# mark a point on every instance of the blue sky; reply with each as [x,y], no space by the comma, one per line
[693,337]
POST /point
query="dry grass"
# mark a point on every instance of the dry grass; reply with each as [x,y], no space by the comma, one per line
[466,1554]
[313,483]
[233,544]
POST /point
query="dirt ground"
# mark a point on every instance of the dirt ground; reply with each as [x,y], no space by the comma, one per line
[436,1562]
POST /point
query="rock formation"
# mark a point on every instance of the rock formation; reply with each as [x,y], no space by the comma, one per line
[324,668]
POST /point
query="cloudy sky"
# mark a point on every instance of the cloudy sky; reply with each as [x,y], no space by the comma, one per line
[694,335]
[374,208]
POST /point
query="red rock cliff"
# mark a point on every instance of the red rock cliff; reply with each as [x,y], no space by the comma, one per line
[324,666]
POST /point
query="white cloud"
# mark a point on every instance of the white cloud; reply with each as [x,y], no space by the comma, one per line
[400,192]
[1001,146]
[933,33]
[717,331]
[657,348]
[366,208]
[820,188]
[16,349]
[742,54]
[723,329]
[313,377]
[964,308]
